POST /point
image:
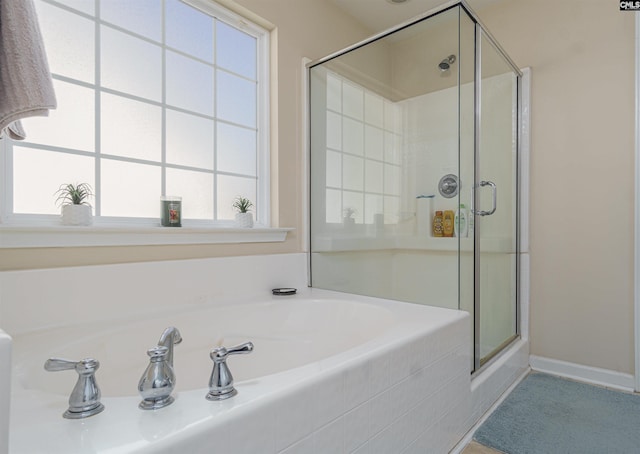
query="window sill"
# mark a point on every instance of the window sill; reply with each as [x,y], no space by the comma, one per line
[64,236]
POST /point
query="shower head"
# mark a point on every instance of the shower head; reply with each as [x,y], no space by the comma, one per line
[447,62]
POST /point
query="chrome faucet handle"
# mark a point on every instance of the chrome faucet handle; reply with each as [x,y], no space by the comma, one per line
[157,381]
[85,396]
[221,381]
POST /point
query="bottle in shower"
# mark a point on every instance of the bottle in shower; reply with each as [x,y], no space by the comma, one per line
[438,224]
[447,223]
[460,224]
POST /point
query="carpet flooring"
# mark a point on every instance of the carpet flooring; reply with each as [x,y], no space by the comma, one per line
[545,414]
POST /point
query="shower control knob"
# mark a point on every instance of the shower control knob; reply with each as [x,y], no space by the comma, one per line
[448,186]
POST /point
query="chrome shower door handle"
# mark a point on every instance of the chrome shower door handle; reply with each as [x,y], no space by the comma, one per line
[494,190]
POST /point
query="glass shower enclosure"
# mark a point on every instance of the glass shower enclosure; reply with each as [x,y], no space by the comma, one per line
[413,172]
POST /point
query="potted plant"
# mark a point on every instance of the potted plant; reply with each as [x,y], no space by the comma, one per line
[73,199]
[348,217]
[244,217]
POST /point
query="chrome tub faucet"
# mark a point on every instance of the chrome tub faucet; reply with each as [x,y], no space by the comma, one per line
[85,396]
[159,380]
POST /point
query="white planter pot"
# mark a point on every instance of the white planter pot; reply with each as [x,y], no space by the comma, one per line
[349,223]
[76,215]
[244,220]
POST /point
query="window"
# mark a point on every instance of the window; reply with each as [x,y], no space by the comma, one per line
[155,97]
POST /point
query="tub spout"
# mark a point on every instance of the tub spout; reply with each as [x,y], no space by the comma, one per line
[169,337]
[157,382]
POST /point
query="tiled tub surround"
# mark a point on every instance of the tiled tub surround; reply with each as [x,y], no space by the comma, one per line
[402,371]
[404,386]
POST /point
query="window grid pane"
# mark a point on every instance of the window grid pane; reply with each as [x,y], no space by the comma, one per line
[145,108]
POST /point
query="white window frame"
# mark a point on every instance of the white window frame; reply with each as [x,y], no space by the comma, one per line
[18,230]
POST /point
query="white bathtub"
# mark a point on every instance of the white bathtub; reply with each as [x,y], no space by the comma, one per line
[287,333]
[329,373]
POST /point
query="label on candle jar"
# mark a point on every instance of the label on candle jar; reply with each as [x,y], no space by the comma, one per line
[174,213]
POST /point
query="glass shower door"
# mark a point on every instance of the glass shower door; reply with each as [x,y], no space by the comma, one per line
[389,121]
[495,197]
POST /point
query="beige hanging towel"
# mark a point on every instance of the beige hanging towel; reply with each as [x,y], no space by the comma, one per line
[26,88]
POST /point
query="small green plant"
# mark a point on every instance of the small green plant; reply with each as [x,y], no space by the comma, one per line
[348,212]
[69,194]
[242,204]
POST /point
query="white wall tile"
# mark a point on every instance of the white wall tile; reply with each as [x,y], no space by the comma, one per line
[330,399]
[373,143]
[254,432]
[399,365]
[334,93]
[353,173]
[352,101]
[295,417]
[416,351]
[373,110]
[334,131]
[380,415]
[362,449]
[415,421]
[334,169]
[373,176]
[401,398]
[352,136]
[403,430]
[381,372]
[425,443]
[357,429]
[415,387]
[385,442]
[356,385]
[330,438]
[304,446]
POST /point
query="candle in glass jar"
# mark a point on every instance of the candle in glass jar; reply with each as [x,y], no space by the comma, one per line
[170,211]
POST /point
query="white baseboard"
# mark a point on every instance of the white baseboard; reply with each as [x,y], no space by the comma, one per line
[587,374]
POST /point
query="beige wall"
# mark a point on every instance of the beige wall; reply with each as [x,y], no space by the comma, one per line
[582,180]
[304,28]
